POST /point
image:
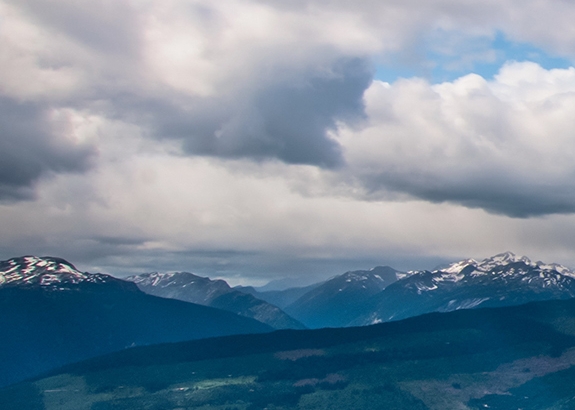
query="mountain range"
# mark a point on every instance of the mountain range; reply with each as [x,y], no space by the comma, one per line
[215,293]
[502,280]
[52,314]
[382,294]
[56,314]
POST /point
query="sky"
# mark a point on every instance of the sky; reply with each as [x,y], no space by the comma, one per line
[253,140]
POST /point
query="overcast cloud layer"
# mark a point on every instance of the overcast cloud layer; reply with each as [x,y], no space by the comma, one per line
[253,140]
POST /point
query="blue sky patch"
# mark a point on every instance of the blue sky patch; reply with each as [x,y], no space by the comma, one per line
[448,55]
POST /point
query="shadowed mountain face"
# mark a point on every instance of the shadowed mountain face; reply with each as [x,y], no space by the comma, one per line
[215,293]
[52,314]
[340,300]
[280,298]
[503,358]
[181,285]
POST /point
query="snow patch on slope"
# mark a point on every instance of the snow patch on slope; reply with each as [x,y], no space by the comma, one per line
[43,271]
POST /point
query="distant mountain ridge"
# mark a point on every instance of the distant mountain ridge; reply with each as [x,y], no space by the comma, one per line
[215,293]
[358,298]
[339,300]
[503,259]
[354,298]
[173,285]
[501,280]
[52,314]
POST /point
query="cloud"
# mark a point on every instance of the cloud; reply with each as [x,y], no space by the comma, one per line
[242,135]
[154,212]
[286,120]
[32,145]
[237,80]
[110,28]
[270,88]
[505,145]
[233,79]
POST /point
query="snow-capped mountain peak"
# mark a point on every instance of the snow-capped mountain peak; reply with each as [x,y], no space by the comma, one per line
[357,277]
[196,289]
[152,279]
[501,262]
[502,269]
[378,278]
[176,280]
[457,267]
[503,259]
[563,270]
[501,280]
[43,271]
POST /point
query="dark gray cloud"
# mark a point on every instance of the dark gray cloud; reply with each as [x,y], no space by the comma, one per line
[284,120]
[29,149]
[119,241]
[495,193]
[294,119]
[278,110]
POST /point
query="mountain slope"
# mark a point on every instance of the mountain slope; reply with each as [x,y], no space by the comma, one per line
[215,293]
[279,298]
[498,358]
[52,314]
[502,280]
[339,300]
